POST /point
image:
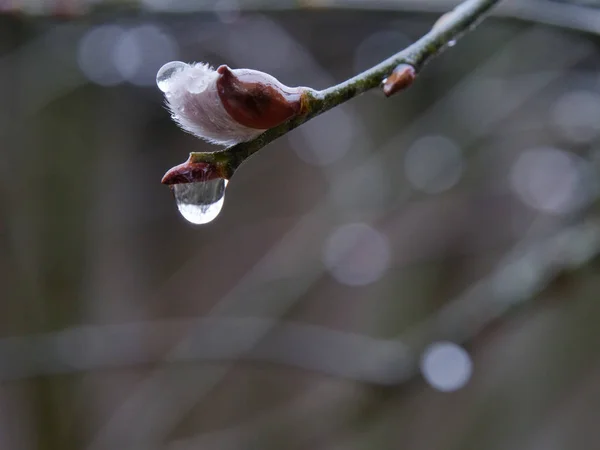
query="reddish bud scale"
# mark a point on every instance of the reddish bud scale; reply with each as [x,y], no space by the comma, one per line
[402,77]
[256,99]
[190,172]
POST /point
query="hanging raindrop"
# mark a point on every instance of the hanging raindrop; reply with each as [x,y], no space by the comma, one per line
[165,74]
[200,202]
[452,43]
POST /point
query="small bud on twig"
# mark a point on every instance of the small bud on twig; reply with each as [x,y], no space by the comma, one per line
[402,77]
[190,172]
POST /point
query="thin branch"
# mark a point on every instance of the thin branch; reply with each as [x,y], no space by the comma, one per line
[462,19]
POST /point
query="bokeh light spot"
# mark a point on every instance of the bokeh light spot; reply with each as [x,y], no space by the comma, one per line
[109,55]
[547,179]
[576,116]
[356,254]
[95,54]
[446,366]
[433,164]
[141,51]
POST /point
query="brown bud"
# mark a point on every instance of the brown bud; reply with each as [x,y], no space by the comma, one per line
[402,77]
[190,172]
[256,99]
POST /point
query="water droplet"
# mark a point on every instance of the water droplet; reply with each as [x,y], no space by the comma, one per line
[166,72]
[200,202]
[452,43]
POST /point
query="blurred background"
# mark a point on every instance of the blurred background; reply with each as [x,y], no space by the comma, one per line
[417,272]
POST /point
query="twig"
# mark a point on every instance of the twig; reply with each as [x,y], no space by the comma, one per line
[462,19]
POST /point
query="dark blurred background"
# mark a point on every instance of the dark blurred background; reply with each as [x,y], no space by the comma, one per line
[414,273]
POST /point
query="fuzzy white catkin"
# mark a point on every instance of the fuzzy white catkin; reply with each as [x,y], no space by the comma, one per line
[192,97]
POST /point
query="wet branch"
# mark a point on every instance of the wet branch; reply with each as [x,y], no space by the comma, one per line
[399,71]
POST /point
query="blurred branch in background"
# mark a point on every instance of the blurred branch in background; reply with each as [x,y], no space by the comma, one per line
[525,271]
[571,14]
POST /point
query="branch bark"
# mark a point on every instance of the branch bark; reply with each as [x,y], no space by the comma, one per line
[225,162]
